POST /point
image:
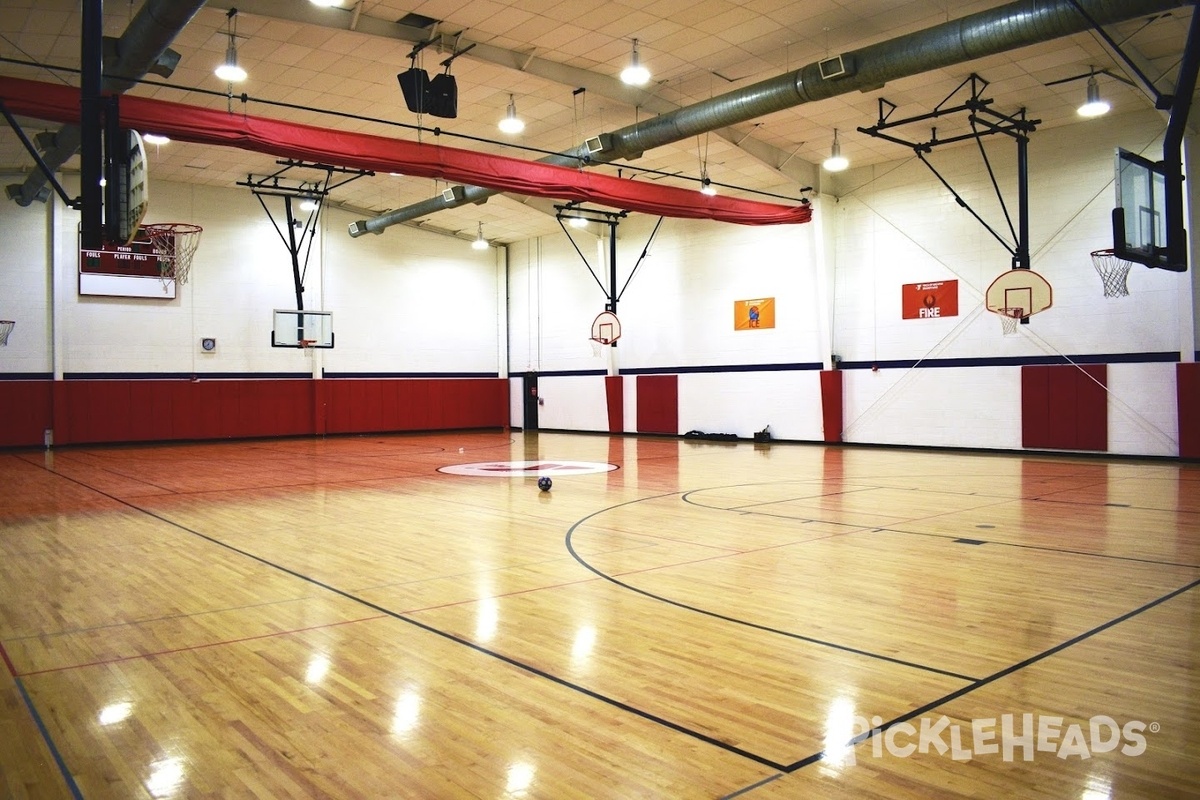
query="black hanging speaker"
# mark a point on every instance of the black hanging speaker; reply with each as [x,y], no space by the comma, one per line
[443,96]
[414,83]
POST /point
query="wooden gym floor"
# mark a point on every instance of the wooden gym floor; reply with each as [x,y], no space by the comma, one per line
[337,619]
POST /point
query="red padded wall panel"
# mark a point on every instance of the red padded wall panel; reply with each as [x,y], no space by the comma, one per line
[229,400]
[417,410]
[658,404]
[1034,406]
[831,404]
[320,399]
[1062,398]
[162,410]
[614,391]
[205,415]
[151,411]
[1064,407]
[26,412]
[1187,389]
[1091,407]
[440,409]
[102,410]
[339,400]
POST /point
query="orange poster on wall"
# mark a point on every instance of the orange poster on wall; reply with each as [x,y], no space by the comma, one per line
[751,315]
[929,300]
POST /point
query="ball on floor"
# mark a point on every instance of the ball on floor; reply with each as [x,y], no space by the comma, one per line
[545,483]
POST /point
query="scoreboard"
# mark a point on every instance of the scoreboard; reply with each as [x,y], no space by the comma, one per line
[126,270]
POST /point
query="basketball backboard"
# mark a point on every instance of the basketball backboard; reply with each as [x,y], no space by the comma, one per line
[1139,217]
[1148,219]
[606,328]
[1019,293]
[302,329]
[136,197]
[127,187]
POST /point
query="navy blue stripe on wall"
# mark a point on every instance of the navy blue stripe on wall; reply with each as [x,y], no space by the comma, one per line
[336,375]
[26,376]
[186,376]
[716,368]
[569,373]
[1017,361]
[927,363]
[156,376]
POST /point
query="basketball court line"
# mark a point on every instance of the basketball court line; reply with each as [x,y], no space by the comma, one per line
[515,593]
[973,683]
[68,778]
[1113,505]
[753,786]
[511,661]
[730,553]
[169,492]
[753,625]
[686,497]
[1009,670]
[191,648]
[151,620]
[49,741]
[1047,549]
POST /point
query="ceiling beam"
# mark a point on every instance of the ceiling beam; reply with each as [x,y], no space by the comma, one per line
[799,171]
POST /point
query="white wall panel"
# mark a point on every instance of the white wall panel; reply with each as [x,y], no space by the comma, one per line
[573,402]
[946,407]
[407,301]
[1143,410]
[746,402]
[25,285]
[410,301]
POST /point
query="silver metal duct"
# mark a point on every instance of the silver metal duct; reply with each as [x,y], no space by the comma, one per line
[986,33]
[141,47]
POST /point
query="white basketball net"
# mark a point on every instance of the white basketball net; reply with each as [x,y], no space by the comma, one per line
[6,326]
[1010,319]
[1113,272]
[175,243]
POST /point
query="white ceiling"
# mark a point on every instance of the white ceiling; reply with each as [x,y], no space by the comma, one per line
[298,54]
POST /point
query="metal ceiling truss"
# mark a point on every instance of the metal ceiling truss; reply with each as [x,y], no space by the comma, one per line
[280,184]
[611,219]
[984,121]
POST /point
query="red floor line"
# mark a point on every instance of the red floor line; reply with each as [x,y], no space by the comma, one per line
[740,552]
[496,596]
[195,647]
[12,670]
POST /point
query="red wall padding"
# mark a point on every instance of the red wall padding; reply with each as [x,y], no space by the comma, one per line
[1064,407]
[831,404]
[658,404]
[1187,387]
[86,411]
[614,392]
[24,412]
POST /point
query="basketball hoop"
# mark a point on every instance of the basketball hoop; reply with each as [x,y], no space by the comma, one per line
[175,243]
[6,326]
[1010,319]
[1113,272]
[306,345]
[606,328]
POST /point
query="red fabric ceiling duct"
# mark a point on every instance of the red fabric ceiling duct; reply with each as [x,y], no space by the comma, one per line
[59,103]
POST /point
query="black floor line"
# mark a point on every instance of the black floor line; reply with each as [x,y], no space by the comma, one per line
[445,635]
[995,676]
[686,497]
[974,683]
[735,620]
[1046,549]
